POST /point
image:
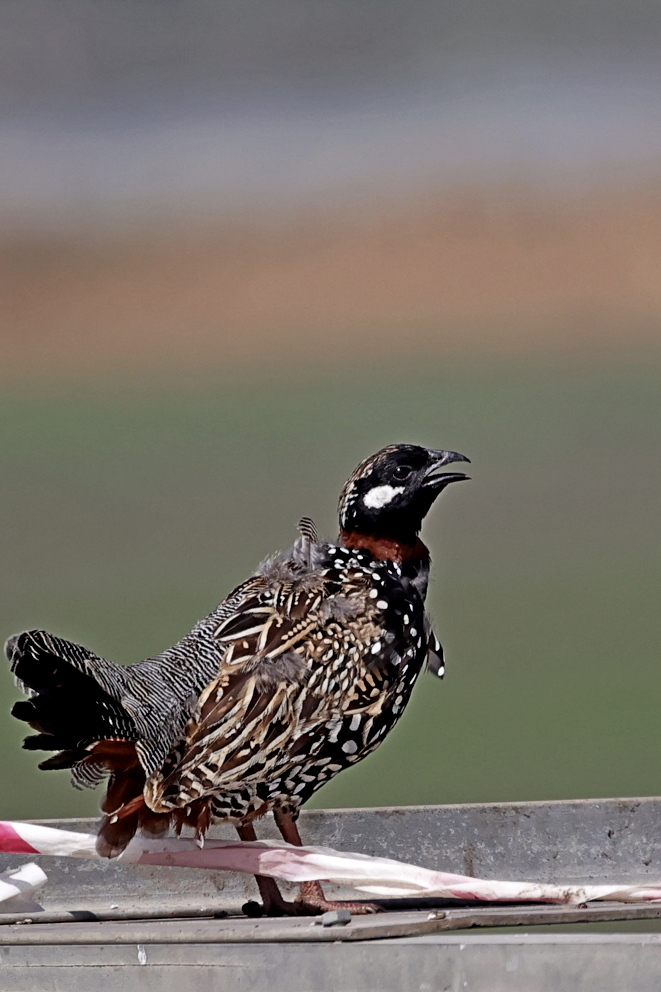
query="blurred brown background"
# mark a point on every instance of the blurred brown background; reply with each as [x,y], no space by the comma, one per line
[244,244]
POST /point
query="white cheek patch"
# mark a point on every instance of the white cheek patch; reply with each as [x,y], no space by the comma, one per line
[380,496]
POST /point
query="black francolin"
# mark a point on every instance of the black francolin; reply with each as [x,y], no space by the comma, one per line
[300,672]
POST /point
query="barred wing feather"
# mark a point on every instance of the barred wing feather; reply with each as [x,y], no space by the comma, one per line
[275,645]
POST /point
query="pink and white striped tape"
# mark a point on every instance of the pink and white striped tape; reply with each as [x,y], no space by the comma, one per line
[373,876]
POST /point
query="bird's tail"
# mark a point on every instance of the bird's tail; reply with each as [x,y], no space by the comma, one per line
[75,705]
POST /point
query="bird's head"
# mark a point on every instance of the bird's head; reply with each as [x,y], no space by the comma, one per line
[390,493]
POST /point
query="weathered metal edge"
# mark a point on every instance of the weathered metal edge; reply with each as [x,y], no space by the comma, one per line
[628,802]
[613,841]
[390,926]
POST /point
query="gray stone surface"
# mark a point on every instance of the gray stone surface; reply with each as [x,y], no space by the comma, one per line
[521,963]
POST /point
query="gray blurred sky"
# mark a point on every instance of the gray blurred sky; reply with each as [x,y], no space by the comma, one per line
[109,105]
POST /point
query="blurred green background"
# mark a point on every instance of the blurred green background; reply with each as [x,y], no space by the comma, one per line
[245,244]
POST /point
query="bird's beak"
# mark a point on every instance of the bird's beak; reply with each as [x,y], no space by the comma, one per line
[437,480]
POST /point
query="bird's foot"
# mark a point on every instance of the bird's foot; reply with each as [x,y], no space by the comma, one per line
[312,902]
[270,908]
[311,899]
[273,903]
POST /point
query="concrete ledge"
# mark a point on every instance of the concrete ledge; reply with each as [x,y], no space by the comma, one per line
[575,841]
[526,963]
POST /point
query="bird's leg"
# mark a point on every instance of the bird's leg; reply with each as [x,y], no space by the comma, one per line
[273,902]
[311,899]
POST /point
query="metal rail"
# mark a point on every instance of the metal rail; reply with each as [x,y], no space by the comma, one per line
[578,841]
[134,927]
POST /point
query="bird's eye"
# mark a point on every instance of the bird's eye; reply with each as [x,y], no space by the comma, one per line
[402,472]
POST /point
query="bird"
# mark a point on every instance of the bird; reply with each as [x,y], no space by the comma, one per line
[299,673]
